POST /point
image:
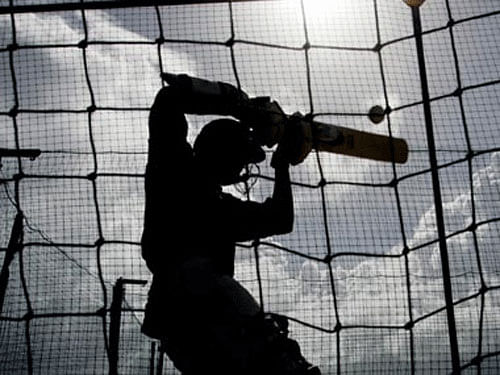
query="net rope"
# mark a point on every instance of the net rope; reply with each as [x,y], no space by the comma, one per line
[360,278]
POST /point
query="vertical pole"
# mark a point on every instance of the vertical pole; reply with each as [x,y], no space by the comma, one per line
[16,233]
[115,320]
[159,367]
[152,359]
[12,248]
[114,326]
[443,247]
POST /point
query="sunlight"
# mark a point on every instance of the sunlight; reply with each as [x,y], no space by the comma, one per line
[320,8]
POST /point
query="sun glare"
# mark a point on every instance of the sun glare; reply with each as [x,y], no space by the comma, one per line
[320,8]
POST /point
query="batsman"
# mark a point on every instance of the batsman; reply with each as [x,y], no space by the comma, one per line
[206,321]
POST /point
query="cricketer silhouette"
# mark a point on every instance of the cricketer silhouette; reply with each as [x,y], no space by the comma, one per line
[206,321]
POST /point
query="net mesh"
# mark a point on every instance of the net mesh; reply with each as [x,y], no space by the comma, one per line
[361,277]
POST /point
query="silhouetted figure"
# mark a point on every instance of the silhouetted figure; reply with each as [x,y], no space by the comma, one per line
[207,322]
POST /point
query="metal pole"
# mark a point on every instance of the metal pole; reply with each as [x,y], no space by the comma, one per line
[161,353]
[152,359]
[115,321]
[438,203]
[114,326]
[12,248]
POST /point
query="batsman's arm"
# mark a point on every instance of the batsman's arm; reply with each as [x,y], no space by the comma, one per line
[203,97]
[275,216]
[188,95]
[282,198]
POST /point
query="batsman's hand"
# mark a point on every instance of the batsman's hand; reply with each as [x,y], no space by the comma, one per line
[296,142]
[266,118]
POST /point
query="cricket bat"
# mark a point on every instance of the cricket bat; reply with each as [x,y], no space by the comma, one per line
[341,140]
[351,142]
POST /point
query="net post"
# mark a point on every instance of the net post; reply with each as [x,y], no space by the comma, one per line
[115,321]
[12,248]
[152,358]
[114,326]
[438,203]
[161,354]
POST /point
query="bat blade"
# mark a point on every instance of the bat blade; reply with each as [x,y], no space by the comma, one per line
[346,141]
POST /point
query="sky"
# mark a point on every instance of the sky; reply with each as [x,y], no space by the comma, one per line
[360,218]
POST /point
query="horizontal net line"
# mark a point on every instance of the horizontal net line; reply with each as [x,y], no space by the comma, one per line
[95,108]
[326,259]
[338,327]
[86,42]
[476,152]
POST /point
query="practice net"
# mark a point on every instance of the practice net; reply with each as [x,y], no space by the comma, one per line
[391,268]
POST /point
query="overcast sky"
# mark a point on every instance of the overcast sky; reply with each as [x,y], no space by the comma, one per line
[361,219]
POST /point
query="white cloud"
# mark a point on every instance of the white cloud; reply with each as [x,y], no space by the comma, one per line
[374,291]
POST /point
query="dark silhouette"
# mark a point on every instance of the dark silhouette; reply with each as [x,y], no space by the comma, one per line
[207,322]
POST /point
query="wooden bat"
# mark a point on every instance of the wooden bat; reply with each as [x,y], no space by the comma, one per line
[346,141]
[339,139]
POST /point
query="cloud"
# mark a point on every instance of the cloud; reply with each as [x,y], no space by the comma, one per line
[374,291]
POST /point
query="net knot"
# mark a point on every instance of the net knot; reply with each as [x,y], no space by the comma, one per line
[476,361]
[472,227]
[12,47]
[83,44]
[29,315]
[409,325]
[393,182]
[458,92]
[328,258]
[470,155]
[14,111]
[229,42]
[406,251]
[338,327]
[483,289]
[101,312]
